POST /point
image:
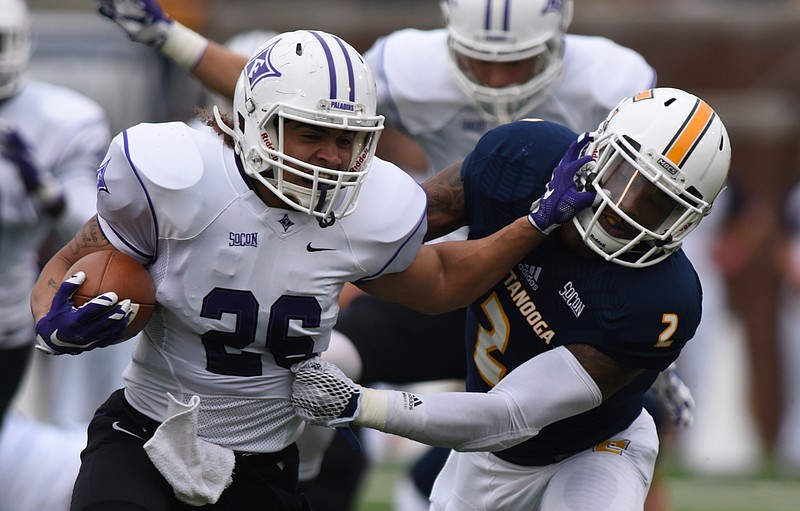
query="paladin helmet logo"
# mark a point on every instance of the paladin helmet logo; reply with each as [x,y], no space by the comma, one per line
[260,67]
[553,6]
[342,105]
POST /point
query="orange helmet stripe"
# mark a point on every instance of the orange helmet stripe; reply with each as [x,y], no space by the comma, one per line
[645,94]
[687,137]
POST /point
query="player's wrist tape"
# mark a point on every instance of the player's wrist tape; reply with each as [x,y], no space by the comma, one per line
[373,408]
[184,46]
[546,230]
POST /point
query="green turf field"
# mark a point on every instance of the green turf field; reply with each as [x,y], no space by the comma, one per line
[766,492]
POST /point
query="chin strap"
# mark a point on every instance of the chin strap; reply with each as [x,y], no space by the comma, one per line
[331,218]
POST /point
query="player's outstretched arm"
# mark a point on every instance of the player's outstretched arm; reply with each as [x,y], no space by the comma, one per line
[543,390]
[446,276]
[145,22]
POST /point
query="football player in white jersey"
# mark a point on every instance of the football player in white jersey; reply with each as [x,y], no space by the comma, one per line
[52,140]
[787,451]
[249,235]
[42,133]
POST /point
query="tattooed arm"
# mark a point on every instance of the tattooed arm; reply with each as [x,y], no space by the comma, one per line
[89,239]
[445,202]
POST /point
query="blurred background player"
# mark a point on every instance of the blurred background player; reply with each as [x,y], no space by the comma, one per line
[51,142]
[787,448]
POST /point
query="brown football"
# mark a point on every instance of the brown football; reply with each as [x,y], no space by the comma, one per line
[109,270]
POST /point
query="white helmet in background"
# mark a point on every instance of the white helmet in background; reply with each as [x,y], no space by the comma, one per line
[315,78]
[15,45]
[506,31]
[662,158]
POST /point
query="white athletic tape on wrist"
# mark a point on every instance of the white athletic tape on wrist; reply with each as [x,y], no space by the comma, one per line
[184,46]
[374,406]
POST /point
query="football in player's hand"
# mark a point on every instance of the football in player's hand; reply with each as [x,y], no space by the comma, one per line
[110,270]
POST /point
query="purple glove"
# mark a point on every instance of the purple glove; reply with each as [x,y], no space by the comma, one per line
[675,395]
[98,323]
[143,20]
[563,200]
[38,183]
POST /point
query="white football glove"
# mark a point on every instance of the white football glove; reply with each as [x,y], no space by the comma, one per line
[323,395]
[675,396]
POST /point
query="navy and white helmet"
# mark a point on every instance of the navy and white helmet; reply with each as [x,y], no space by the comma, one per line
[315,78]
[15,45]
[662,157]
[506,31]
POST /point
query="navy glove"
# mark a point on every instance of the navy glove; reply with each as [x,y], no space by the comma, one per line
[39,184]
[143,20]
[563,200]
[68,329]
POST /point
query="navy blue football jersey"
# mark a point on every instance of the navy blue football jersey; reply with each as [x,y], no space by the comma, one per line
[553,297]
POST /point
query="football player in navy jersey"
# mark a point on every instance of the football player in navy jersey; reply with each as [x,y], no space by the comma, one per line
[249,234]
[563,348]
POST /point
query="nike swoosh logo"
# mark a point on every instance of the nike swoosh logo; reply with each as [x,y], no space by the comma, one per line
[58,342]
[316,249]
[116,426]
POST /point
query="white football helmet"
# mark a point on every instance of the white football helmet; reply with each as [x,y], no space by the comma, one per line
[315,78]
[15,45]
[662,158]
[506,31]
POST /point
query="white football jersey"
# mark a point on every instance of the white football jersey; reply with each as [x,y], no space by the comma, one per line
[67,134]
[418,93]
[244,290]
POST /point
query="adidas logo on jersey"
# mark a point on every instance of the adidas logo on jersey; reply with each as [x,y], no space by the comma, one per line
[410,401]
[530,274]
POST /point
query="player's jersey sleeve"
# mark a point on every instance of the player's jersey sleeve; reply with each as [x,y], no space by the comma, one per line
[653,315]
[416,89]
[508,170]
[145,187]
[597,74]
[389,225]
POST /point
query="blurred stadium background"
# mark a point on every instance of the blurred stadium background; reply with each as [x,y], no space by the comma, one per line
[742,56]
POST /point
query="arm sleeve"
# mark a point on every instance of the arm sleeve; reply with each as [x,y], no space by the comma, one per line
[543,390]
